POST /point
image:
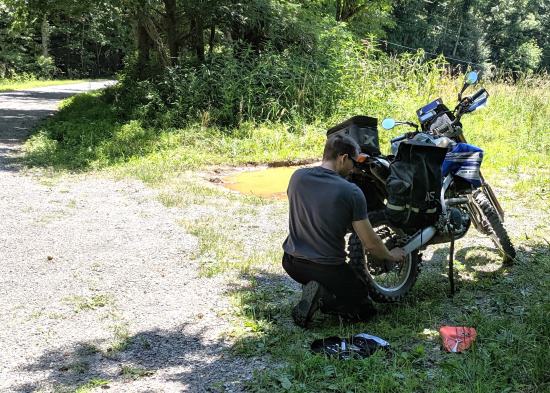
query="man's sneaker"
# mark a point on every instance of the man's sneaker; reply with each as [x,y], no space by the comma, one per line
[306,307]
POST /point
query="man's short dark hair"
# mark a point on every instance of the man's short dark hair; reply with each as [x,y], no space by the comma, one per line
[338,145]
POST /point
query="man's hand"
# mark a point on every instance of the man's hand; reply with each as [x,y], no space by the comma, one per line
[374,245]
[398,255]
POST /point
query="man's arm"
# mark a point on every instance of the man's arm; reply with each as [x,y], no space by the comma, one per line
[373,244]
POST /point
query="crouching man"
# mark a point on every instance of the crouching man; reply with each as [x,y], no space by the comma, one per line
[323,206]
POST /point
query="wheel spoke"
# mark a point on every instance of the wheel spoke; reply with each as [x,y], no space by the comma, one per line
[391,277]
[387,282]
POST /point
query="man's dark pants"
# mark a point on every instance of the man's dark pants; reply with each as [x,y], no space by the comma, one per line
[349,292]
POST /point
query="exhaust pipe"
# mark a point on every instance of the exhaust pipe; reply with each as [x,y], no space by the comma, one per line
[420,239]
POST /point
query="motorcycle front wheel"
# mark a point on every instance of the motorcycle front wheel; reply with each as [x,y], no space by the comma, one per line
[492,226]
[387,282]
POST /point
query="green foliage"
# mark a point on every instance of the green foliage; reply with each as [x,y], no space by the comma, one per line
[45,67]
[528,56]
[331,77]
[88,132]
[62,38]
[305,73]
[93,38]
[507,34]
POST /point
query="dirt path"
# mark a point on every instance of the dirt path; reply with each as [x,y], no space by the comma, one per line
[97,283]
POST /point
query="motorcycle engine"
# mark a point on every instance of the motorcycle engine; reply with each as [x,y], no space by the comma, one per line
[460,221]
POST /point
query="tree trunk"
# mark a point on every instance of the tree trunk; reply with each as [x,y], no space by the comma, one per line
[346,9]
[338,9]
[171,30]
[144,45]
[197,37]
[45,31]
[457,39]
[211,40]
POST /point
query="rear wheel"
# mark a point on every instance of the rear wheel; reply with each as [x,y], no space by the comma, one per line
[387,281]
[492,226]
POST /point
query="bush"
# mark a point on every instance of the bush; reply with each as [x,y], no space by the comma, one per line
[336,78]
[45,67]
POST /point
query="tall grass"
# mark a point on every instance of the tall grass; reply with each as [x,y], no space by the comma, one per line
[90,132]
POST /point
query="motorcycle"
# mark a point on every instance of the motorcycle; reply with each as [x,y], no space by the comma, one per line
[464,197]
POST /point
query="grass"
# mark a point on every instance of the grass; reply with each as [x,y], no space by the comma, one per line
[81,303]
[121,339]
[130,372]
[508,310]
[10,85]
[503,303]
[87,134]
[91,385]
[241,236]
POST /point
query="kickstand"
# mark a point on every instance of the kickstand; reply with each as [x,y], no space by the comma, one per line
[451,259]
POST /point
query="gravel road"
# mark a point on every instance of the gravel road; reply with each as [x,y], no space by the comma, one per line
[97,282]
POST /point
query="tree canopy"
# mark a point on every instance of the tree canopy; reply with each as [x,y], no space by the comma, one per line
[75,38]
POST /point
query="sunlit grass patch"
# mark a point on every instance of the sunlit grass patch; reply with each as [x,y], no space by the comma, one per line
[15,84]
[82,303]
[227,242]
[510,352]
[91,385]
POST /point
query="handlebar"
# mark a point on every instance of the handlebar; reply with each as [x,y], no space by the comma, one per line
[399,138]
[404,136]
[478,94]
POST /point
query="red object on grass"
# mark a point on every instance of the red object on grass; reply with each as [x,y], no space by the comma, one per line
[457,338]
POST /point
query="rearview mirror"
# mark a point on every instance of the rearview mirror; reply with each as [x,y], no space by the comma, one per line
[471,78]
[388,123]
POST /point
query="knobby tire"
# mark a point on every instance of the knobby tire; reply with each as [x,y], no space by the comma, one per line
[357,261]
[493,226]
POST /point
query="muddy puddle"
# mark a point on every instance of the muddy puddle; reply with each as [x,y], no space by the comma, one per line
[265,183]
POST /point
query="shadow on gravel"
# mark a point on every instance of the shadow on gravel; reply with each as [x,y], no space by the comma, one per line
[15,127]
[13,121]
[15,124]
[191,364]
[18,120]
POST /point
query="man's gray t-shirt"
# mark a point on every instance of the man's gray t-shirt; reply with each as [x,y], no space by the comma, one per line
[322,206]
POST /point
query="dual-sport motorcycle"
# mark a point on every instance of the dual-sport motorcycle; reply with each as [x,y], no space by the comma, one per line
[429,191]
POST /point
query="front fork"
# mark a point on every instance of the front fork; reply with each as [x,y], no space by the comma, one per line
[486,188]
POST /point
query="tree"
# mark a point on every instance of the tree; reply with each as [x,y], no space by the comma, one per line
[76,38]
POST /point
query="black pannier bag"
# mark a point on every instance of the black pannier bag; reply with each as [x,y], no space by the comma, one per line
[414,185]
[363,129]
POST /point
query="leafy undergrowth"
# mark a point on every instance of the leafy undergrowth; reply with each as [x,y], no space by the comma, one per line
[86,134]
[89,133]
